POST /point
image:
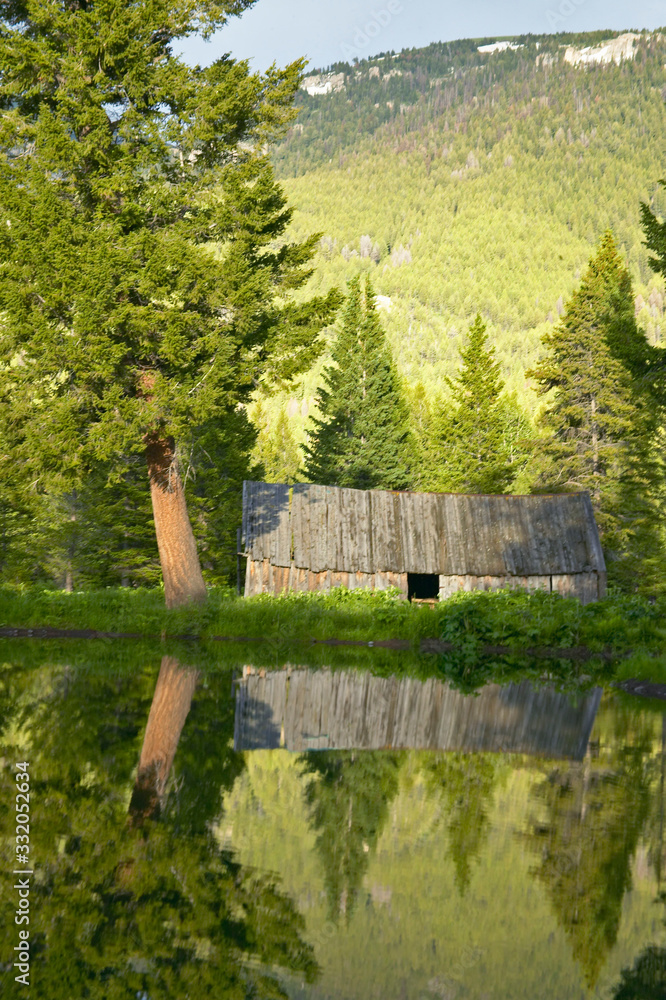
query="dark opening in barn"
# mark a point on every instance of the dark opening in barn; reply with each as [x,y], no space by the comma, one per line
[423,586]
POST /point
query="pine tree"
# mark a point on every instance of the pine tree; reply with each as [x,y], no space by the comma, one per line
[655,240]
[362,438]
[276,450]
[220,458]
[469,451]
[602,426]
[19,504]
[646,362]
[122,171]
[424,456]
[101,534]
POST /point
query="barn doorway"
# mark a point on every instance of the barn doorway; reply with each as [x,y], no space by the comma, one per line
[423,586]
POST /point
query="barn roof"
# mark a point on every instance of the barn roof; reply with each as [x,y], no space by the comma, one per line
[326,528]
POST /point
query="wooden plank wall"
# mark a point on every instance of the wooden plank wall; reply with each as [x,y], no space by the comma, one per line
[260,708]
[587,587]
[300,525]
[324,535]
[386,538]
[266,528]
[521,536]
[324,709]
[261,577]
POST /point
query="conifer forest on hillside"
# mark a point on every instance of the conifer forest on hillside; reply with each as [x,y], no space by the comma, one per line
[232,304]
[493,220]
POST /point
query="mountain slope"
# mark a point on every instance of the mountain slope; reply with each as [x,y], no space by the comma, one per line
[483,188]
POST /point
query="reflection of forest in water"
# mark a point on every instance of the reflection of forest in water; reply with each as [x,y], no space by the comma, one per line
[167,865]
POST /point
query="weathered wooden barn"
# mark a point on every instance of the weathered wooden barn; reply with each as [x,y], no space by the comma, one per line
[301,709]
[429,545]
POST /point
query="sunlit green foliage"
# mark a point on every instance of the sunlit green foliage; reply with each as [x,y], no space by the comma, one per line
[460,182]
[362,438]
[498,175]
[584,837]
[601,421]
[146,283]
[277,452]
[468,450]
[349,797]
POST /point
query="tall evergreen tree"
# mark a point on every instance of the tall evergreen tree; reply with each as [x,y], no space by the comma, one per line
[602,425]
[122,170]
[655,240]
[469,451]
[19,547]
[362,438]
[646,362]
[422,424]
[220,458]
[100,534]
[276,450]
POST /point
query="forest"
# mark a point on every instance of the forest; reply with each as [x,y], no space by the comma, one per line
[493,222]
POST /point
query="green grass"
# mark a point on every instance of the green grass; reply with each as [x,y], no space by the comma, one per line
[616,625]
[620,637]
[345,615]
[642,666]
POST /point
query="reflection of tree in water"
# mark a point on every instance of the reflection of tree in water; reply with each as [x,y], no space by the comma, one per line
[466,784]
[128,906]
[646,980]
[594,813]
[655,834]
[349,800]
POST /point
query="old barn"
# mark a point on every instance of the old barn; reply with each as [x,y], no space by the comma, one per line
[326,709]
[429,545]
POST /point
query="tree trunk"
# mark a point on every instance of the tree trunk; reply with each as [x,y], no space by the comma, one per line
[168,711]
[181,570]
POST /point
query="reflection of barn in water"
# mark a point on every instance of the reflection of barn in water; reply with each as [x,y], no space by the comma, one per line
[428,545]
[322,709]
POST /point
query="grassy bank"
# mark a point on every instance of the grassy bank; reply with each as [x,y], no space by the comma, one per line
[498,636]
[615,625]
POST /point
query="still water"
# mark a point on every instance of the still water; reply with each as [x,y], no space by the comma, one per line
[206,826]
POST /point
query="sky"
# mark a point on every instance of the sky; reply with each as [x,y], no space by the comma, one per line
[326,32]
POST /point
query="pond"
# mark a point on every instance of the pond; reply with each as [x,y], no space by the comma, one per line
[208,823]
